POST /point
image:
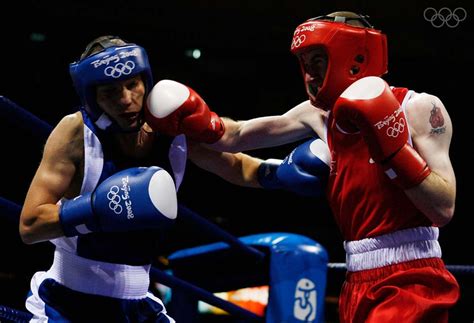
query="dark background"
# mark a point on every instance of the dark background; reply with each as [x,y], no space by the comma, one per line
[245,71]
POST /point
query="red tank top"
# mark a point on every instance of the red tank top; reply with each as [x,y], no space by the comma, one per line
[364,201]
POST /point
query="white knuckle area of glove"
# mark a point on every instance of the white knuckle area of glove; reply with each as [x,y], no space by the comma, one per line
[365,89]
[162,194]
[165,97]
[321,150]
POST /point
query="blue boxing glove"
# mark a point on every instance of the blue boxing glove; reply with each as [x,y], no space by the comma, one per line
[304,171]
[133,199]
[267,174]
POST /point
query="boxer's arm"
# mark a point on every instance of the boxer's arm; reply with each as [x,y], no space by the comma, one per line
[236,168]
[304,171]
[39,220]
[431,131]
[300,122]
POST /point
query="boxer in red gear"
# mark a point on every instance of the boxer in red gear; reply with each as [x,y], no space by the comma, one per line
[391,184]
[393,256]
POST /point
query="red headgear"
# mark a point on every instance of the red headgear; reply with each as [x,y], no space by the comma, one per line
[353,53]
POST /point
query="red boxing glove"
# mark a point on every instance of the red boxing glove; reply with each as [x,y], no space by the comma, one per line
[173,109]
[369,106]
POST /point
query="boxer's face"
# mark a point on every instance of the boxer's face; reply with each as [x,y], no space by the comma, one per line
[314,63]
[123,101]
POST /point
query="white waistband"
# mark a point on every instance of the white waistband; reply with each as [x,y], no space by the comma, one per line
[392,248]
[99,278]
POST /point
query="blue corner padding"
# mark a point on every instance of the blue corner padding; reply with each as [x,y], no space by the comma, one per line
[295,268]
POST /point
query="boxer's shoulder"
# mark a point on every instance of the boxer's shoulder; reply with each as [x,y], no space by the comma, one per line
[70,126]
[423,107]
[67,138]
[422,102]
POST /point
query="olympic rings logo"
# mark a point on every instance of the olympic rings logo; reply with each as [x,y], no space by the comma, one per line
[396,129]
[445,16]
[114,199]
[120,69]
[297,41]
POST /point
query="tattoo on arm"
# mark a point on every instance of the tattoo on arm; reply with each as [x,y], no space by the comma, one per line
[437,121]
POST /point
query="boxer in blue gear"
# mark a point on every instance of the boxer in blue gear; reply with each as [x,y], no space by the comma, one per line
[105,190]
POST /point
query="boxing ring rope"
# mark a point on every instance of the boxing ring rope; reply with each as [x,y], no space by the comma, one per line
[217,232]
[202,294]
[13,315]
[24,119]
[10,209]
[19,116]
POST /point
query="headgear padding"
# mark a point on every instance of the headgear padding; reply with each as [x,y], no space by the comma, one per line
[112,64]
[353,52]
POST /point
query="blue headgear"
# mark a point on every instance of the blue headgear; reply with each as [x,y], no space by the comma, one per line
[109,65]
